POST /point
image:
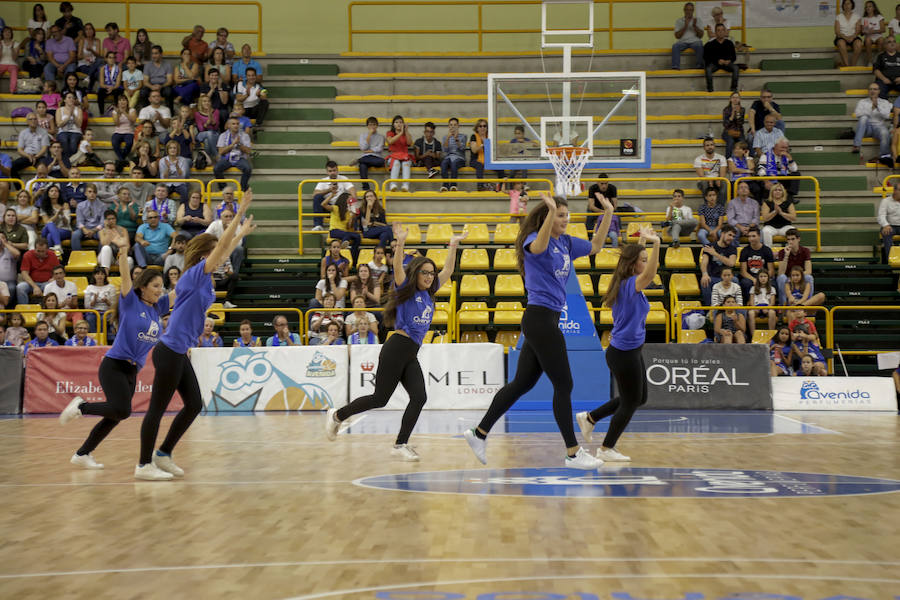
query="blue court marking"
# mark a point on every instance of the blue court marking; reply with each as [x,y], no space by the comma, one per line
[632,482]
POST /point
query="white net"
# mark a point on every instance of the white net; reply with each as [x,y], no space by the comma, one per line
[568,162]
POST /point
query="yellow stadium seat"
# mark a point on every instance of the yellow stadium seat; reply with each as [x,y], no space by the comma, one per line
[509,285]
[657,315]
[366,255]
[511,313]
[30,318]
[680,258]
[655,288]
[691,336]
[474,259]
[473,313]
[505,259]
[345,252]
[478,234]
[685,284]
[81,261]
[607,259]
[441,339]
[438,233]
[604,338]
[441,313]
[445,289]
[81,284]
[509,339]
[894,257]
[577,230]
[633,228]
[438,255]
[763,336]
[582,262]
[603,283]
[474,285]
[216,312]
[591,312]
[414,234]
[587,287]
[506,233]
[473,337]
[429,335]
[116,281]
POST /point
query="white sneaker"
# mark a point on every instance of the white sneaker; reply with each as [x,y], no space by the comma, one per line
[57,249]
[85,460]
[229,304]
[587,428]
[478,445]
[583,460]
[405,452]
[332,425]
[405,188]
[71,411]
[165,463]
[393,188]
[318,228]
[151,472]
[611,455]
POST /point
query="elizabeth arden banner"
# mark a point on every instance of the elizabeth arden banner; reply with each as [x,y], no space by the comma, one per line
[55,375]
[457,376]
[834,393]
[283,378]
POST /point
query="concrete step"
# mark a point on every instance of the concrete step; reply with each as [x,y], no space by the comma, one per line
[302,70]
[327,92]
[796,64]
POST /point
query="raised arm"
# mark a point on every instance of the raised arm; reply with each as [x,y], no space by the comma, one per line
[543,237]
[124,272]
[233,235]
[400,234]
[649,272]
[602,230]
[450,264]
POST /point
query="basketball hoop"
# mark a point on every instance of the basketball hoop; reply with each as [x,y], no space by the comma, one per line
[568,162]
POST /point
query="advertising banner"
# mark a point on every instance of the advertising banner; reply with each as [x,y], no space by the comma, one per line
[281,378]
[773,13]
[834,393]
[11,382]
[708,376]
[457,376]
[57,374]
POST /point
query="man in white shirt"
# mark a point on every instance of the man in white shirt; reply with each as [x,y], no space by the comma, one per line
[108,190]
[764,139]
[156,113]
[254,96]
[327,190]
[66,292]
[689,33]
[709,164]
[889,219]
[874,119]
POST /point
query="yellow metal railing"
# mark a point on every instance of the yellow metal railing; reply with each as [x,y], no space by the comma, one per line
[301,331]
[724,181]
[101,322]
[817,211]
[482,29]
[208,192]
[836,309]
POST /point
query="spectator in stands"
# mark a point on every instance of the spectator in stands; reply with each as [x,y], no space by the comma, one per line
[477,141]
[51,96]
[33,143]
[218,227]
[283,335]
[108,188]
[239,67]
[742,211]
[332,335]
[171,275]
[35,54]
[111,231]
[176,259]
[156,113]
[766,138]
[755,258]
[138,192]
[234,151]
[16,235]
[221,43]
[246,338]
[38,187]
[679,218]
[777,214]
[9,264]
[194,43]
[186,78]
[225,278]
[872,29]
[741,165]
[454,146]
[180,132]
[343,224]
[364,285]
[60,52]
[798,292]
[253,95]
[320,320]
[132,83]
[713,258]
[57,164]
[88,217]
[719,55]
[354,318]
[363,333]
[206,127]
[378,266]
[217,90]
[326,191]
[174,166]
[793,255]
[57,219]
[709,165]
[428,151]
[100,295]
[65,291]
[86,155]
[110,79]
[372,144]
[374,219]
[116,44]
[399,141]
[332,283]
[165,207]
[779,162]
[143,48]
[38,20]
[158,77]
[761,108]
[689,33]
[762,294]
[68,119]
[69,24]
[46,121]
[733,121]
[27,215]
[9,53]
[152,241]
[847,32]
[810,368]
[893,28]
[874,120]
[193,216]
[81,337]
[89,55]
[729,325]
[887,69]
[611,193]
[228,201]
[727,287]
[889,220]
[42,337]
[209,338]
[334,257]
[16,334]
[142,158]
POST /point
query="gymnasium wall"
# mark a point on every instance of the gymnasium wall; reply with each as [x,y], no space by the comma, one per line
[310,27]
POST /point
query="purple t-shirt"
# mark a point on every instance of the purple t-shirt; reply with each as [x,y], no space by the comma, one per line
[629,317]
[194,294]
[546,273]
[414,316]
[60,50]
[139,328]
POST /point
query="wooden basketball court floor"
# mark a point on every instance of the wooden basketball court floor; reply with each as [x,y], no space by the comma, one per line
[746,505]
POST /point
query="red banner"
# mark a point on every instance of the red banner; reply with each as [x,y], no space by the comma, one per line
[55,375]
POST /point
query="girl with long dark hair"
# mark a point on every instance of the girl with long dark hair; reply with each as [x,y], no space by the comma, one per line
[634,272]
[409,311]
[195,292]
[139,312]
[545,254]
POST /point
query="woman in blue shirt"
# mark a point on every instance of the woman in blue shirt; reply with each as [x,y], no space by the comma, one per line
[409,310]
[195,293]
[545,254]
[139,312]
[634,272]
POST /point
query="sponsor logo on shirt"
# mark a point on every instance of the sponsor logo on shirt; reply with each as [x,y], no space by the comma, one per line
[424,318]
[563,273]
[152,333]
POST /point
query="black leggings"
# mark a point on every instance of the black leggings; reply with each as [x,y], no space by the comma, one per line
[397,363]
[544,351]
[174,372]
[118,379]
[627,366]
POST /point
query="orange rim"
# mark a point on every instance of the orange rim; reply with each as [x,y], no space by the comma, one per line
[567,151]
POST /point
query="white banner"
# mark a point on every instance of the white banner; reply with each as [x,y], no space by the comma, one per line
[457,376]
[283,378]
[788,13]
[834,393]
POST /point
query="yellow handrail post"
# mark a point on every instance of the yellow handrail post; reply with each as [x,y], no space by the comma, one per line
[480,29]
